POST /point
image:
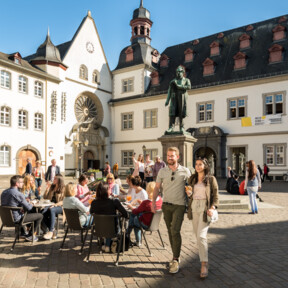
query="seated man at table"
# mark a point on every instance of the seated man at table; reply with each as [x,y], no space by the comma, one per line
[14,198]
[144,219]
[103,205]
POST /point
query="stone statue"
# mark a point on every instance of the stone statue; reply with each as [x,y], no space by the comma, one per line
[177,96]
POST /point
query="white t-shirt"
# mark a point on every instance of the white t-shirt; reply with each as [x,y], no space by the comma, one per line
[141,167]
[142,195]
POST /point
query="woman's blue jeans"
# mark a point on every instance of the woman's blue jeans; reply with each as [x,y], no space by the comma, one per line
[136,224]
[49,216]
[252,198]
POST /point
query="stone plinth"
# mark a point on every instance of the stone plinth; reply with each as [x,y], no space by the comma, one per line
[184,143]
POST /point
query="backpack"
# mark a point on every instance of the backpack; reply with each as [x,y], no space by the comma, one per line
[268,169]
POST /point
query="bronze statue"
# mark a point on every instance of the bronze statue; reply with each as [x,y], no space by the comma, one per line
[177,96]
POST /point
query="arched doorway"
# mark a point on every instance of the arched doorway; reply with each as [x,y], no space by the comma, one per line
[23,155]
[210,155]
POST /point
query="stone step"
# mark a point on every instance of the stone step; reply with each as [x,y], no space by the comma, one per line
[230,201]
[233,206]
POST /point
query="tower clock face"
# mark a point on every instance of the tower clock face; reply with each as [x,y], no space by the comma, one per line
[90,47]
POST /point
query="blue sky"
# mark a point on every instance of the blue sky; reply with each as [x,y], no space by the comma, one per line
[23,24]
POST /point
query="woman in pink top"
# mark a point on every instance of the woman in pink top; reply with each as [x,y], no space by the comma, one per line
[83,193]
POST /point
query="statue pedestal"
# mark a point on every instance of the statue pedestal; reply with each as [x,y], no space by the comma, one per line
[184,143]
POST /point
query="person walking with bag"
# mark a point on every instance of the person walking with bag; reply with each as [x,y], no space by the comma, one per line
[203,200]
[173,177]
[252,184]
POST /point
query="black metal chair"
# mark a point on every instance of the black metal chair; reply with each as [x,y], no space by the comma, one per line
[104,226]
[8,221]
[73,223]
[154,226]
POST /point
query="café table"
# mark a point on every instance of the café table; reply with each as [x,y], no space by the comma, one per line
[39,206]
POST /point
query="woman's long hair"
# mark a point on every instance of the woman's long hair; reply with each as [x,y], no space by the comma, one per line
[102,191]
[252,170]
[59,187]
[206,171]
[141,158]
[27,185]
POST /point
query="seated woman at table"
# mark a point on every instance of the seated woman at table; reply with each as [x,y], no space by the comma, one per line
[71,202]
[112,186]
[54,193]
[104,205]
[29,188]
[138,193]
[144,219]
[83,192]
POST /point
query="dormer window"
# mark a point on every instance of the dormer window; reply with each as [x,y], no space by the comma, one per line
[282,19]
[245,41]
[275,53]
[189,55]
[164,61]
[196,42]
[214,48]
[220,35]
[240,61]
[129,54]
[209,67]
[249,28]
[154,78]
[279,33]
[16,58]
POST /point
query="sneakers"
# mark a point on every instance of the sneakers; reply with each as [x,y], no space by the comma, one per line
[138,243]
[48,235]
[105,249]
[173,266]
[24,235]
[54,234]
[170,263]
[30,238]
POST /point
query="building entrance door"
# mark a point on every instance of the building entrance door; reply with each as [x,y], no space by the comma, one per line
[22,160]
[238,160]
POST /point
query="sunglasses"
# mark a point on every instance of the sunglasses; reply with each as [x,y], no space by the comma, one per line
[172,176]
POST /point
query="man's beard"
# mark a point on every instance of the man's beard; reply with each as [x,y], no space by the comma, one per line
[171,162]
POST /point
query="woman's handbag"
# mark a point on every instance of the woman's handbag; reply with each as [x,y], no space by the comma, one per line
[213,218]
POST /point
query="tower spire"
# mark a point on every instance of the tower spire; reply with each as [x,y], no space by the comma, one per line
[48,32]
[141,3]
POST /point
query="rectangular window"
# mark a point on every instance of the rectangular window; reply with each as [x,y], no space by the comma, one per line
[275,154]
[22,84]
[4,156]
[152,153]
[150,118]
[38,89]
[205,112]
[5,79]
[22,119]
[38,122]
[5,116]
[274,104]
[127,160]
[237,108]
[127,121]
[128,85]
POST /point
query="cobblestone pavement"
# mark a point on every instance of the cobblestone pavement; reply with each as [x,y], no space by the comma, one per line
[244,251]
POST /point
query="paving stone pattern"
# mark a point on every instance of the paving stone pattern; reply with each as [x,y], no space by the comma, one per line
[244,251]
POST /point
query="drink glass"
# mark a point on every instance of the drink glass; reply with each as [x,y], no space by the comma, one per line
[129,198]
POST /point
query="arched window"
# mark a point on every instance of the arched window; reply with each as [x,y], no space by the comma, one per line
[5,79]
[38,121]
[23,119]
[23,84]
[96,77]
[38,89]
[5,116]
[83,72]
[5,155]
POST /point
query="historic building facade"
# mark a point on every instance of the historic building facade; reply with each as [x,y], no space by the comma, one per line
[64,103]
[54,104]
[237,105]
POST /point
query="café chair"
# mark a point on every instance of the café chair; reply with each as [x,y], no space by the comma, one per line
[154,226]
[104,226]
[8,221]
[73,223]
